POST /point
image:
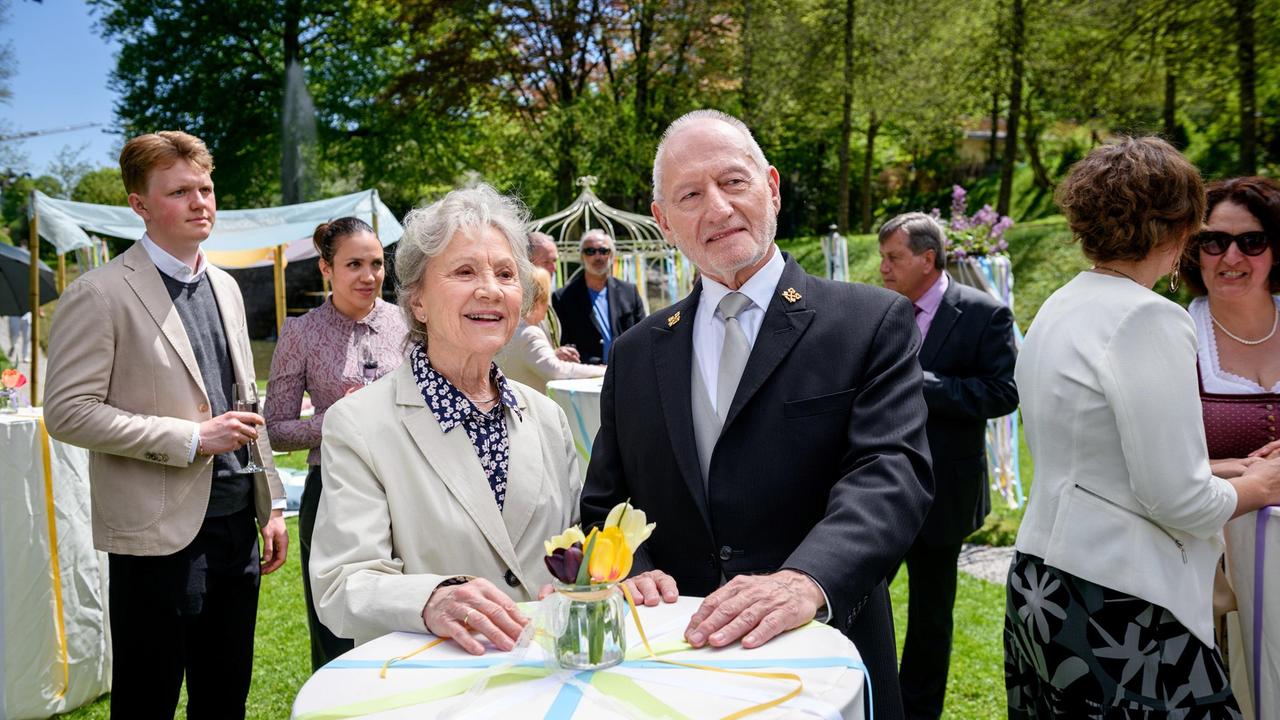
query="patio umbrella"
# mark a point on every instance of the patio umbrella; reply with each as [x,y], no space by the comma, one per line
[15,281]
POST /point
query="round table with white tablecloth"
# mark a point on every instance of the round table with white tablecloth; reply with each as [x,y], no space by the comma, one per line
[442,681]
[580,400]
[54,647]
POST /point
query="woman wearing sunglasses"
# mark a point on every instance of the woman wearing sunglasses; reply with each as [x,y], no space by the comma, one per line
[1232,266]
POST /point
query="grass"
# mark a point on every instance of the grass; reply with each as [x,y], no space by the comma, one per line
[282,655]
[282,650]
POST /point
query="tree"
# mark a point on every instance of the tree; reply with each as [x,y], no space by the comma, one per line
[1017,38]
[101,187]
[69,166]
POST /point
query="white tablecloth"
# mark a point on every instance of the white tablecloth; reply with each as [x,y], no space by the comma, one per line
[825,660]
[53,636]
[580,400]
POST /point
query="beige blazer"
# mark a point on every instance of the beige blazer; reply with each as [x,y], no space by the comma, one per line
[406,506]
[123,383]
[529,358]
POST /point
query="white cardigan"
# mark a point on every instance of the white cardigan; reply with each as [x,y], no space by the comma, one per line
[1123,495]
[529,358]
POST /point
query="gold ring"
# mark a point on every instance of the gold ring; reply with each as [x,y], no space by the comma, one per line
[467,617]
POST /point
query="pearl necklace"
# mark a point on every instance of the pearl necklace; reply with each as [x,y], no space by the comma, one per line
[1274,324]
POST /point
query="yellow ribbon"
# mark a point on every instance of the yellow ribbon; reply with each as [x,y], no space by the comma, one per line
[424,648]
[795,692]
[54,566]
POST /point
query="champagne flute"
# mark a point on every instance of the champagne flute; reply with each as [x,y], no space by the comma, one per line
[246,400]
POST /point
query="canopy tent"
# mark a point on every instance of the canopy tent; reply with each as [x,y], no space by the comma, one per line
[661,273]
[241,238]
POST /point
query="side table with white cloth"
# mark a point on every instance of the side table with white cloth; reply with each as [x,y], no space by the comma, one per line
[444,681]
[53,584]
[580,400]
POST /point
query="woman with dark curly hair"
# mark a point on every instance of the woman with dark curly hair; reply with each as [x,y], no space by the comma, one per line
[1233,265]
[1108,609]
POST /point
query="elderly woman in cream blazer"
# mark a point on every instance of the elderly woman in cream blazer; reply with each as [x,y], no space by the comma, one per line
[443,478]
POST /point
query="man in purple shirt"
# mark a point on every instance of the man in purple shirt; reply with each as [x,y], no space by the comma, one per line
[967,355]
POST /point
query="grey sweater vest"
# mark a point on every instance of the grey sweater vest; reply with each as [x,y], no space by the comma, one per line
[232,490]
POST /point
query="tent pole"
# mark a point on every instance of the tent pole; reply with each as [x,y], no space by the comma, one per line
[62,272]
[279,284]
[33,244]
[373,214]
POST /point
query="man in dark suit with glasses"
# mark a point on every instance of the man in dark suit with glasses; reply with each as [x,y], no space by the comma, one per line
[594,307]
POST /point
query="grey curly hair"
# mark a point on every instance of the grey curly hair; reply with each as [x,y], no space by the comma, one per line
[459,215]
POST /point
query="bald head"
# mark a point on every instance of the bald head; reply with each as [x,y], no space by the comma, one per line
[701,118]
[543,252]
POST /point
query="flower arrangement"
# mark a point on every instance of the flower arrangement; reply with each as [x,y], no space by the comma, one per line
[976,236]
[588,567]
[11,380]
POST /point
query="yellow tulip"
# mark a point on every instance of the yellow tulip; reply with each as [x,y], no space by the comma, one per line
[632,523]
[565,539]
[611,557]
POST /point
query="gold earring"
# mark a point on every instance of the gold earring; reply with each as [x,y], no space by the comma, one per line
[1174,275]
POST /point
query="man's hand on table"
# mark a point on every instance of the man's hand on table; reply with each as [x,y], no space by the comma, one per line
[455,611]
[755,608]
[648,588]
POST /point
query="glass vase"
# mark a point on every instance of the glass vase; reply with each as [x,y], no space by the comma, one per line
[8,401]
[594,636]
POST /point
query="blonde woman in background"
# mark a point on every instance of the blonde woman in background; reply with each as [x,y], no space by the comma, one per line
[529,357]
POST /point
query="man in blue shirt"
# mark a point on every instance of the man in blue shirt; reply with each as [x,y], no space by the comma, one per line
[594,307]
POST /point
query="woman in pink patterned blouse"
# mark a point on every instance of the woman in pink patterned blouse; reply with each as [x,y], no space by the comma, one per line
[352,339]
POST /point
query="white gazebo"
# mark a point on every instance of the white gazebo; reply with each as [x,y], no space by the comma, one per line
[660,272]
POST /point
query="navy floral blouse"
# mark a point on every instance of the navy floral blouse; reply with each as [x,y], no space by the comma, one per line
[487,430]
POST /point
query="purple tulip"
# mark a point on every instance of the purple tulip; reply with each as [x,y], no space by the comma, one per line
[565,562]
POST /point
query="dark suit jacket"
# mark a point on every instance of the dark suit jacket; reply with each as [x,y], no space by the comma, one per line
[967,357]
[822,465]
[578,326]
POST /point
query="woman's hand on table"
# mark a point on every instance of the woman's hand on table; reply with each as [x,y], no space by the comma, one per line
[455,611]
[755,608]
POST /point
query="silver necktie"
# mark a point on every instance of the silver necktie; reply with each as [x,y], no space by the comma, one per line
[733,354]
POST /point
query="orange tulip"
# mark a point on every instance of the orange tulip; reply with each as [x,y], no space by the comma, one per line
[610,558]
[12,379]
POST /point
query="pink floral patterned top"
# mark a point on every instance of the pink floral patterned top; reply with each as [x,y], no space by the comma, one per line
[324,353]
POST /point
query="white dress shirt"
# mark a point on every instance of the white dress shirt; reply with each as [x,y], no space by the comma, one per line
[708,325]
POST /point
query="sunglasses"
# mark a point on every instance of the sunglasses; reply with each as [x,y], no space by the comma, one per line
[1216,243]
[605,251]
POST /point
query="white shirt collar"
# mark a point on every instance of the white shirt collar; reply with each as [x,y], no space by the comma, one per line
[758,287]
[172,266]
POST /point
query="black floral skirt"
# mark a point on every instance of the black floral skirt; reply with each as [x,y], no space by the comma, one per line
[1074,649]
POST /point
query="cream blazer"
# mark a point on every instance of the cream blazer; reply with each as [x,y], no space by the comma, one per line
[1123,495]
[406,506]
[123,383]
[529,358]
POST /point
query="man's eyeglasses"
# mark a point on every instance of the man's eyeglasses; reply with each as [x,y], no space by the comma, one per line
[1213,242]
[596,251]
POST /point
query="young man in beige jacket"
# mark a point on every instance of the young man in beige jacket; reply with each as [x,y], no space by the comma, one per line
[145,356]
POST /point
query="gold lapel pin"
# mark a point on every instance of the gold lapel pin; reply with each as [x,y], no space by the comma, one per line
[671,321]
[790,295]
